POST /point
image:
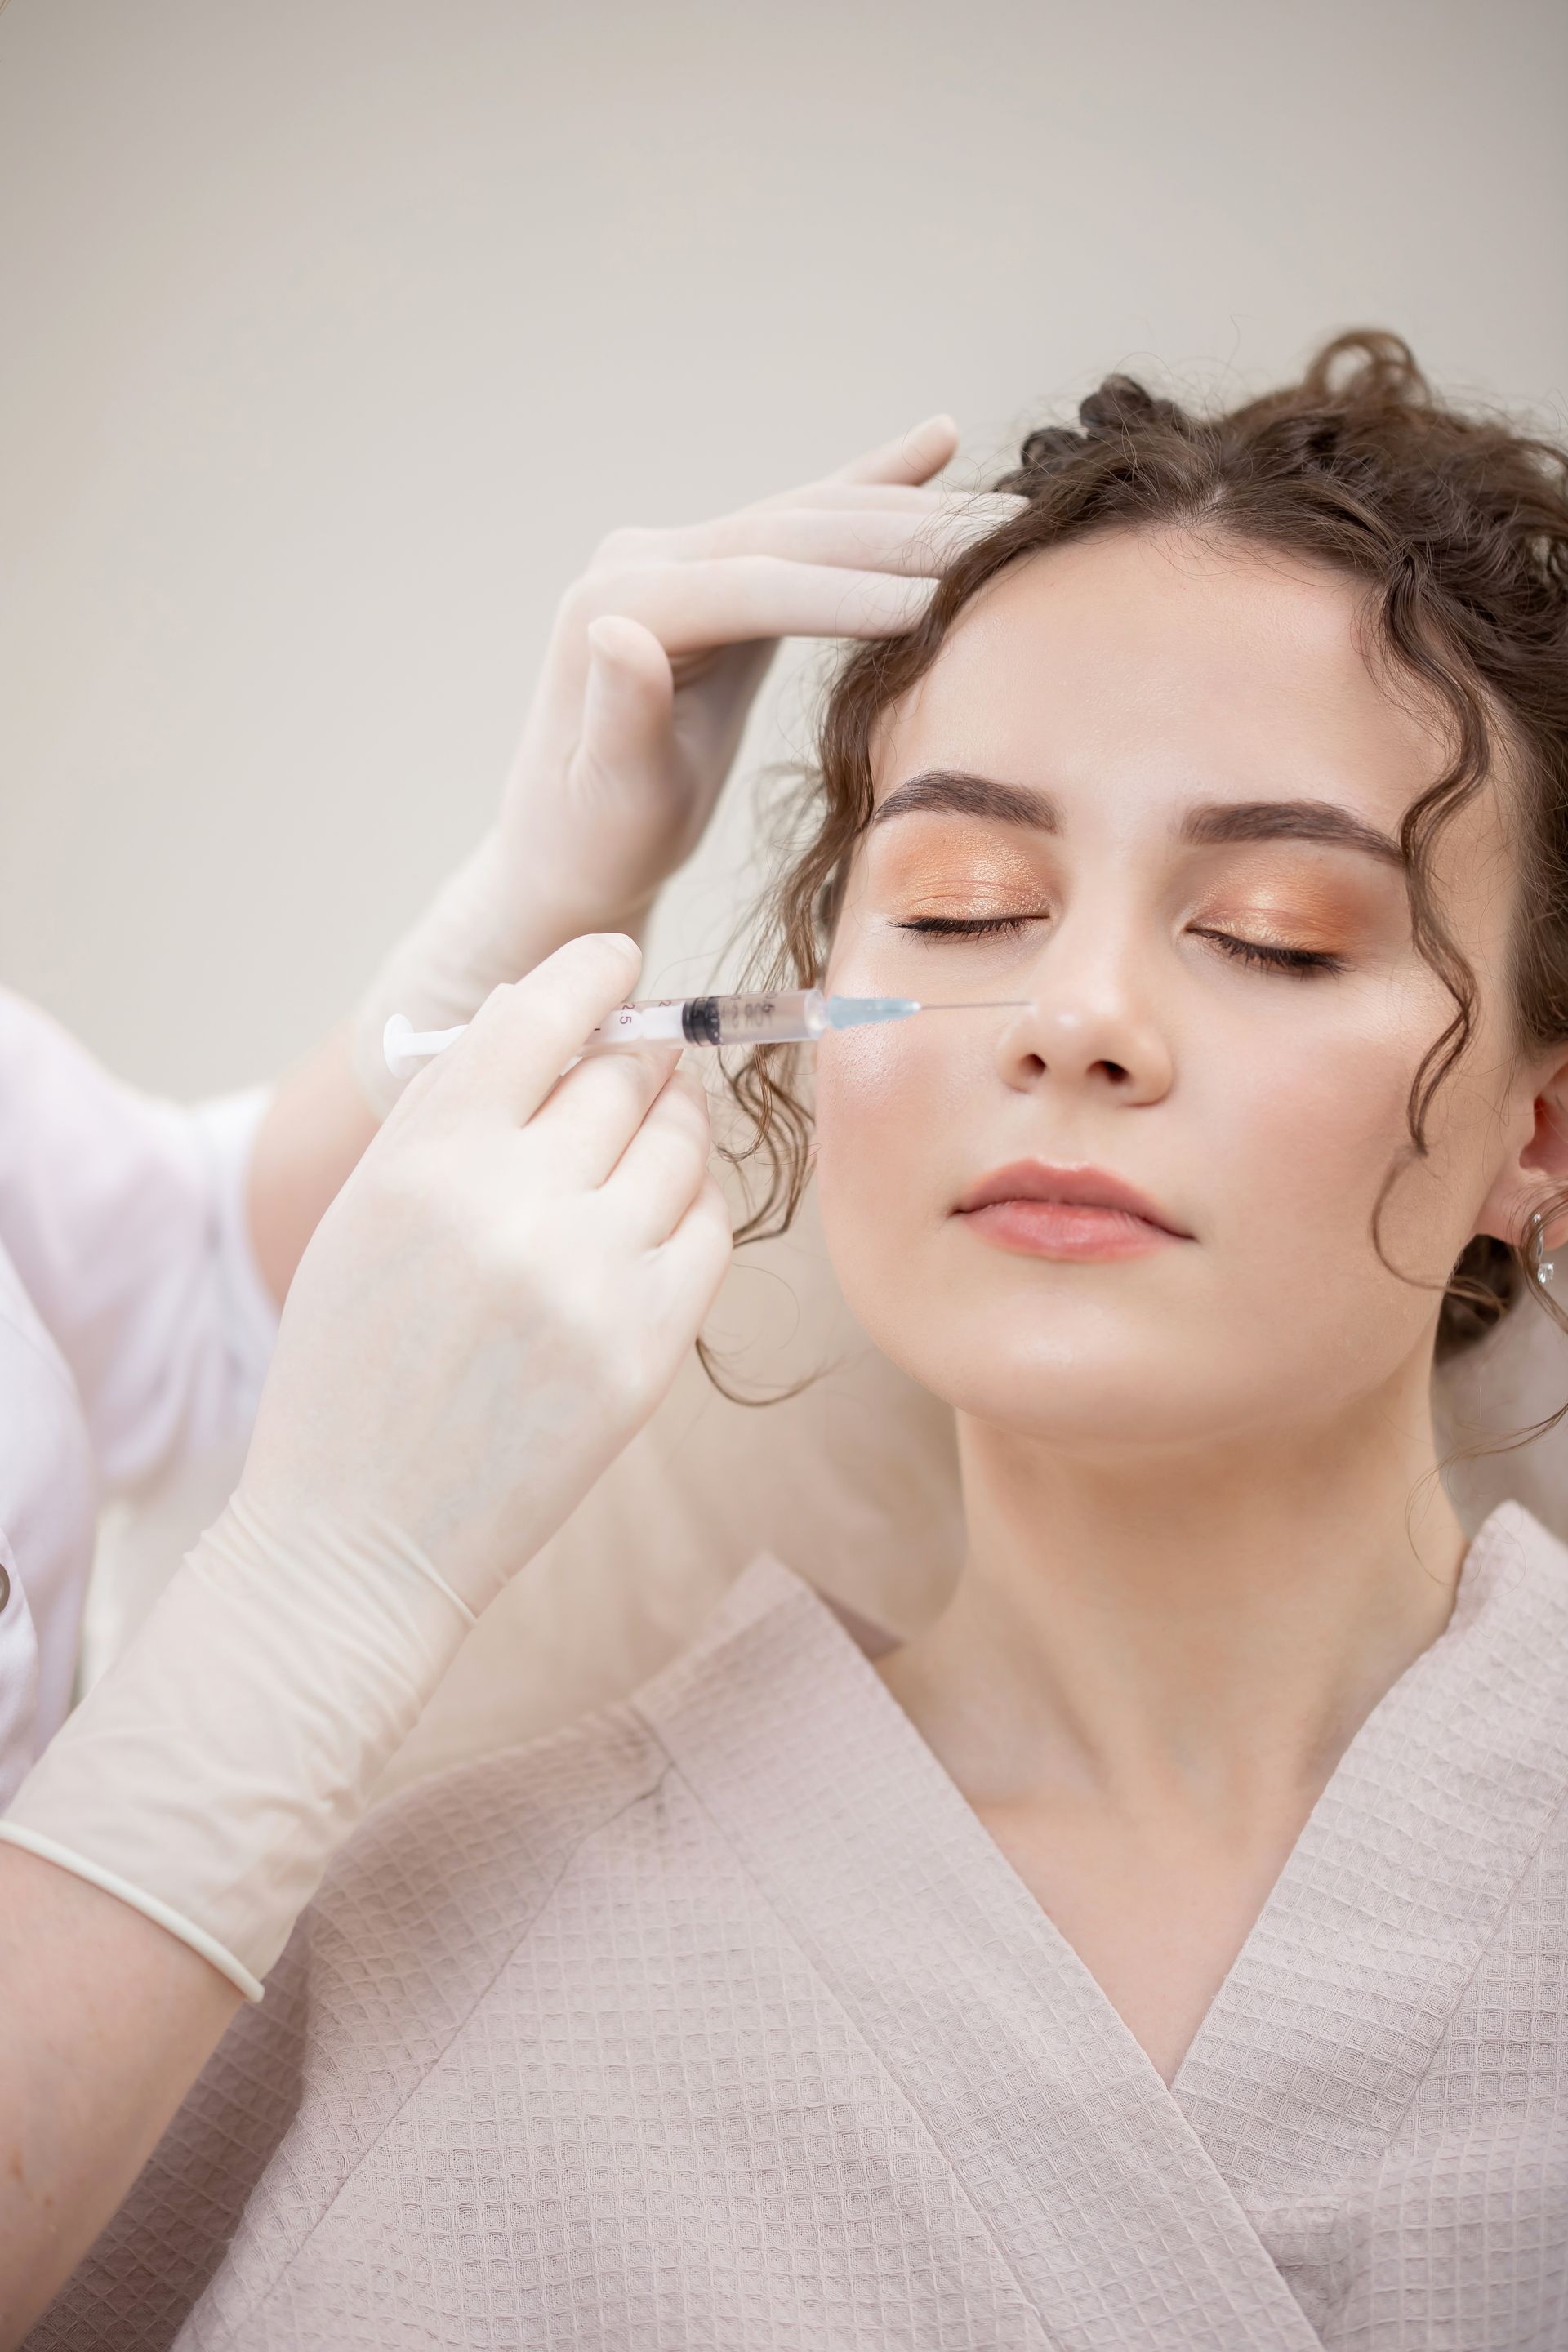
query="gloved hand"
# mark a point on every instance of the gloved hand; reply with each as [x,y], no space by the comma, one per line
[499,1298]
[655,656]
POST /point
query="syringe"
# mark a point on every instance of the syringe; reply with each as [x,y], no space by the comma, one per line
[797,1016]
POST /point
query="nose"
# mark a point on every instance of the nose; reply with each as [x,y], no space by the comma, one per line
[1092,1023]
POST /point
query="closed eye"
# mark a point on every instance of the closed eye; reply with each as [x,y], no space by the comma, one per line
[967,926]
[1302,961]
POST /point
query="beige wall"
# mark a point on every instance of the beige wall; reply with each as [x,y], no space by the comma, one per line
[334,332]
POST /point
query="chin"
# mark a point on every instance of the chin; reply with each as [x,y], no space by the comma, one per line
[1098,1408]
[1095,1381]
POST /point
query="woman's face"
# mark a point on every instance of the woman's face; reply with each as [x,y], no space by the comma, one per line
[1151,787]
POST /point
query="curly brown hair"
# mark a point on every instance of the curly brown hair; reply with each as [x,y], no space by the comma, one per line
[1454,524]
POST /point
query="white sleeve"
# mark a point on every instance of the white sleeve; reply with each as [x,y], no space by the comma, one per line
[125,1218]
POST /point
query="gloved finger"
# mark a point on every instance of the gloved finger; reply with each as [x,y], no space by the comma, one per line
[692,1265]
[661,1171]
[914,544]
[579,1132]
[894,469]
[734,599]
[516,1046]
[628,697]
[911,456]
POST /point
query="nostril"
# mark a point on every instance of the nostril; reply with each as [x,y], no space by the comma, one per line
[1115,1071]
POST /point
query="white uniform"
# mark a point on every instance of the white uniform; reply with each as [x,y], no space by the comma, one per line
[134,1329]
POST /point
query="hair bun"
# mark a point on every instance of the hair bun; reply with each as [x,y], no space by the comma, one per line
[1048,451]
[1123,405]
[1118,406]
[1367,368]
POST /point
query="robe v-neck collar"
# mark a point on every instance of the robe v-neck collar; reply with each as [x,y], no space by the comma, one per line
[1118,2203]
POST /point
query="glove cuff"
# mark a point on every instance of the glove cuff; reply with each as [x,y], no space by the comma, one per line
[212,1773]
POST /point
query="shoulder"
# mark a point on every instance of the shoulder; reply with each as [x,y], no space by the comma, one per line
[451,1871]
[1514,1586]
[1507,1686]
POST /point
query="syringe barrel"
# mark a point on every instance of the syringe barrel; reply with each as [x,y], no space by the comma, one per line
[755,1019]
[633,1024]
[752,1020]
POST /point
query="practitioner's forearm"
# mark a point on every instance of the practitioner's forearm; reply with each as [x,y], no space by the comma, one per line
[106,2023]
[312,1134]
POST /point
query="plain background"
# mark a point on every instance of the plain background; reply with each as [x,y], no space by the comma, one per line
[335,332]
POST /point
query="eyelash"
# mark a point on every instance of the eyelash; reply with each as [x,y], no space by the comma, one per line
[953,927]
[1299,962]
[1302,963]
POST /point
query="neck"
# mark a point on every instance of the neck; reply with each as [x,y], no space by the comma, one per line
[1215,1622]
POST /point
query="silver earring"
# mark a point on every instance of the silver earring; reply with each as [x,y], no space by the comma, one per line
[1541,1268]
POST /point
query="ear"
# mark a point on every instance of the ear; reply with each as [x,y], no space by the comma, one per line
[1537,1174]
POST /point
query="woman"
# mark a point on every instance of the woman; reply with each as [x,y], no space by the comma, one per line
[1168,1947]
[144,1250]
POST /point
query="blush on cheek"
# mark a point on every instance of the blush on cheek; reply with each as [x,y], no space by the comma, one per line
[858,1067]
[1309,1139]
[879,1105]
[857,1120]
[907,1076]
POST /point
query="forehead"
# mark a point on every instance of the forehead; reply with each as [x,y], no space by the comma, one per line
[1165,668]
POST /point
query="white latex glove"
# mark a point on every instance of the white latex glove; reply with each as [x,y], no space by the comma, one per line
[655,659]
[496,1302]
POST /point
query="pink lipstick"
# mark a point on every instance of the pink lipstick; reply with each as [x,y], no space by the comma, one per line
[1065,1212]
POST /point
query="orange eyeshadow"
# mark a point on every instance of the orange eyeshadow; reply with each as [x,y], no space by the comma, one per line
[949,867]
[1303,905]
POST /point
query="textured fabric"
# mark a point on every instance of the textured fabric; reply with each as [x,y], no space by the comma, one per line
[134,1331]
[722,2022]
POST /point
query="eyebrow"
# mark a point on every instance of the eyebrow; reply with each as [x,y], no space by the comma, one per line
[1213,824]
[1324,821]
[965,795]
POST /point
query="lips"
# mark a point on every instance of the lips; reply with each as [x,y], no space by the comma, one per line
[1065,1213]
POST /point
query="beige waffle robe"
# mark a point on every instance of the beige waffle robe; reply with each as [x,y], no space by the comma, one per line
[719,2021]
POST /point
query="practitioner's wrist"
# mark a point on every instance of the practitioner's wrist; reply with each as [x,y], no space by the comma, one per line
[213,1772]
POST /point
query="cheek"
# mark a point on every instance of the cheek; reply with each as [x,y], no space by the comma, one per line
[1321,1112]
[1304,1130]
[885,1104]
